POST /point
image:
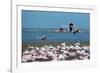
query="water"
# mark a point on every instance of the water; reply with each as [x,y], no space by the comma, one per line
[33,36]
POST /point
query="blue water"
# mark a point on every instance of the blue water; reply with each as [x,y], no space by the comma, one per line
[32,36]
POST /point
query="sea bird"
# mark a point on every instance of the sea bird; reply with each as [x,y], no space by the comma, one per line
[71,27]
[44,38]
[76,31]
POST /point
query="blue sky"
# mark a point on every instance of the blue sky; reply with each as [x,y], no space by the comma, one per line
[45,19]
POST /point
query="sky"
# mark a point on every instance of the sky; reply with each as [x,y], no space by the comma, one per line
[51,19]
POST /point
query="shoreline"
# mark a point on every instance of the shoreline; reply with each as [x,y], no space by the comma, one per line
[53,43]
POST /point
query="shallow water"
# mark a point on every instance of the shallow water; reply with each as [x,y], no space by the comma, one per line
[32,36]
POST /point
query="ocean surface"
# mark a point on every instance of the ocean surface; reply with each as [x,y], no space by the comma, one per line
[34,36]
